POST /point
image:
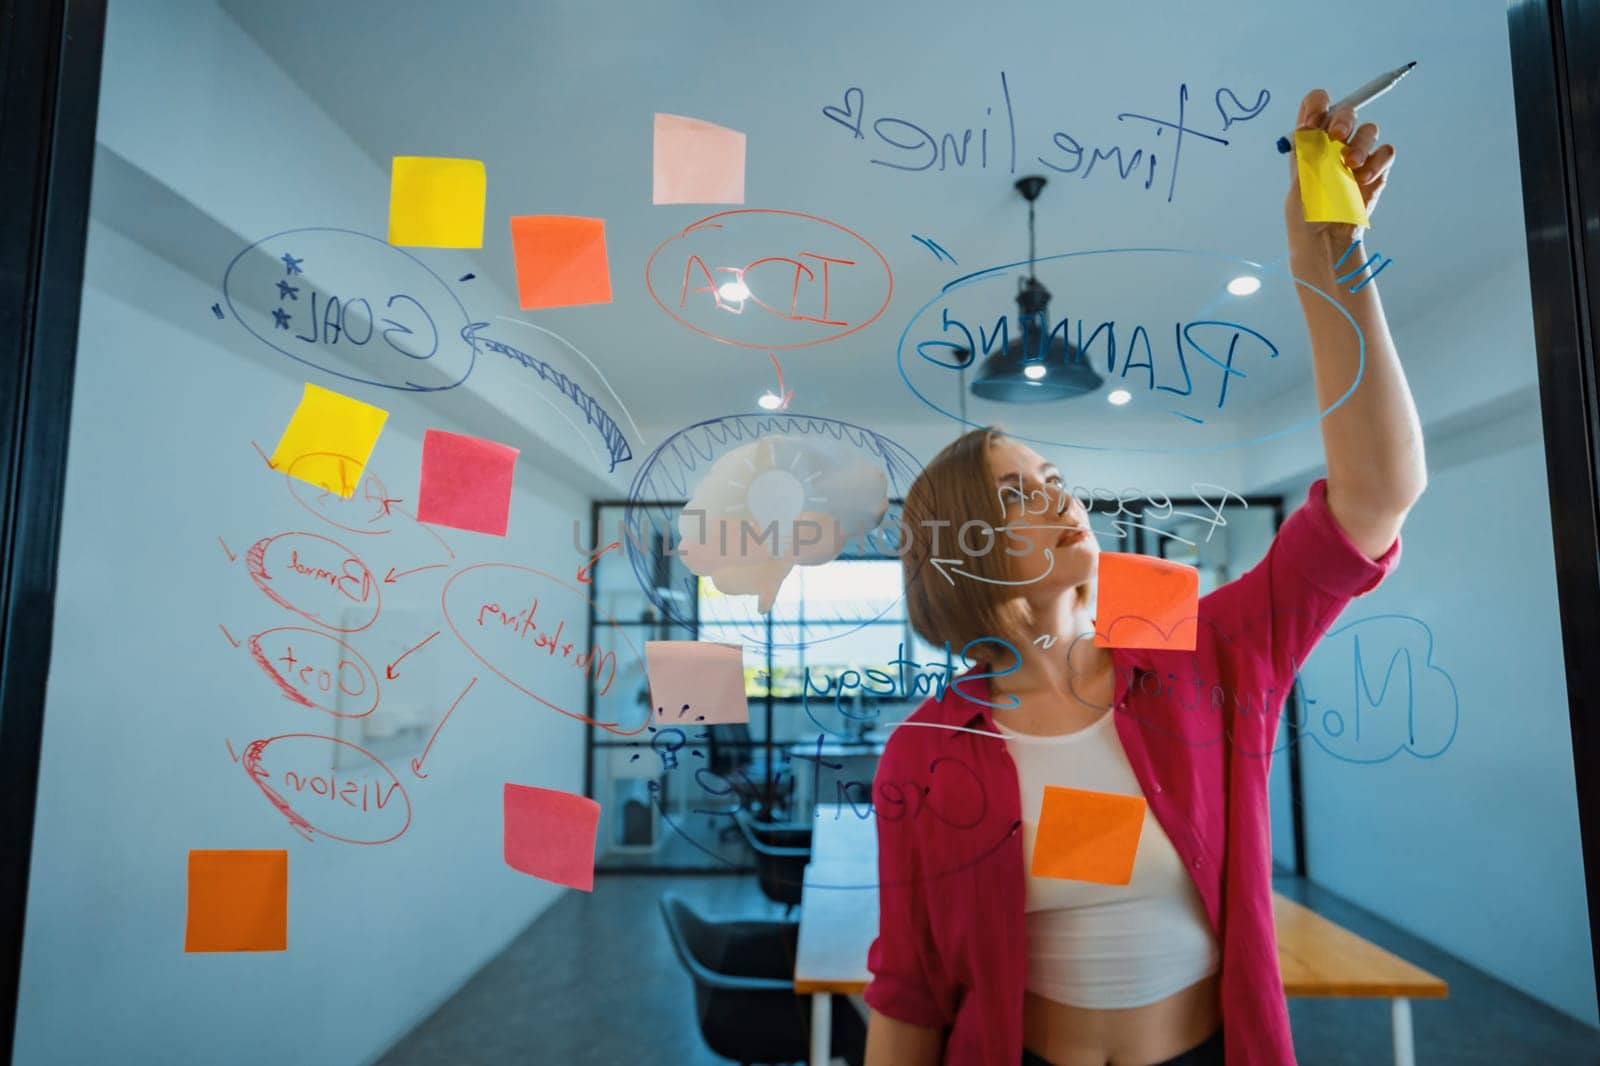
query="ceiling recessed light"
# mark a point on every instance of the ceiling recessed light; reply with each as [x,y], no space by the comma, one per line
[1244,285]
[770,401]
[734,291]
[1119,396]
[1034,372]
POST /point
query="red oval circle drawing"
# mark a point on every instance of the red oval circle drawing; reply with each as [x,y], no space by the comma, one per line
[816,282]
[317,578]
[527,627]
[327,666]
[367,510]
[353,804]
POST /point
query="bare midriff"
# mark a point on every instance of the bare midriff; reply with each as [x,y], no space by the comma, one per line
[1134,1036]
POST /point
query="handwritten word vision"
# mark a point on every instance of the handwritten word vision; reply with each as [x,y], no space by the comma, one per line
[902,144]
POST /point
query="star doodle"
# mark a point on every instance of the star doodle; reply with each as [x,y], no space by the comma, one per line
[280,318]
[287,291]
[291,265]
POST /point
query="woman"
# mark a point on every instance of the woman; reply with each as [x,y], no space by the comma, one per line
[979,961]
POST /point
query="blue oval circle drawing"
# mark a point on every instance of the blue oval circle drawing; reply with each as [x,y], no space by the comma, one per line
[1003,270]
[353,306]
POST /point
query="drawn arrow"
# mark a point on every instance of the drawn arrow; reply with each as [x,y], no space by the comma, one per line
[416,764]
[232,558]
[231,753]
[388,671]
[270,464]
[783,397]
[391,577]
[583,571]
[957,564]
[225,633]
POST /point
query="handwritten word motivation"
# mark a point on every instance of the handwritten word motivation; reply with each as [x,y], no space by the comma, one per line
[813,281]
[351,305]
[595,415]
[902,144]
[1205,362]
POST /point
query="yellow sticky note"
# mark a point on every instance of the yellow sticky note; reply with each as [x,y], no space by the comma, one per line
[1327,187]
[329,439]
[436,203]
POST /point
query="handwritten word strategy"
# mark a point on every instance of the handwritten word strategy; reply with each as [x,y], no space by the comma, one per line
[913,146]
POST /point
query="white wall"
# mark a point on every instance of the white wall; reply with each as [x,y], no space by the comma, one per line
[1477,849]
[146,694]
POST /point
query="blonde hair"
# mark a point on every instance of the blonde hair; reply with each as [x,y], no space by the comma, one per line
[954,490]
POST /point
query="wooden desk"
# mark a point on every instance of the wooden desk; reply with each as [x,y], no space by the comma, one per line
[839,919]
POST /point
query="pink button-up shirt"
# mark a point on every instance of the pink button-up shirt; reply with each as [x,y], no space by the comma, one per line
[1198,727]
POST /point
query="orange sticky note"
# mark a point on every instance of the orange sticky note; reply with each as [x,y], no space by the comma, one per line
[1087,836]
[238,901]
[329,439]
[561,261]
[1145,602]
[436,202]
[549,834]
[466,482]
[696,682]
[696,162]
[1328,188]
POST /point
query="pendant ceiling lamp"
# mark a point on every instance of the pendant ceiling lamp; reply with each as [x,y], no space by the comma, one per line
[1027,370]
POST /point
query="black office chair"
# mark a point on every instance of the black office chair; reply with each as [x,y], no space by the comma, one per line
[782,850]
[743,973]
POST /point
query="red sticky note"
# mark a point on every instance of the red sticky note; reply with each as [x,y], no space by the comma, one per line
[1087,836]
[561,261]
[238,901]
[696,162]
[466,482]
[1145,602]
[550,835]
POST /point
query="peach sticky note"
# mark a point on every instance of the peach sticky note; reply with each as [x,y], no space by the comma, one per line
[238,901]
[1327,187]
[1145,602]
[466,482]
[329,439]
[436,203]
[705,677]
[697,162]
[550,835]
[1087,836]
[561,261]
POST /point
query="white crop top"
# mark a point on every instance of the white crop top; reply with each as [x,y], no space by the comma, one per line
[1106,946]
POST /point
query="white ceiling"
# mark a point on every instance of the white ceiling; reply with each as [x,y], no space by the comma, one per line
[558,101]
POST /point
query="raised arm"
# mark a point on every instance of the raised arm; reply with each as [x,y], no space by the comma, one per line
[1373,441]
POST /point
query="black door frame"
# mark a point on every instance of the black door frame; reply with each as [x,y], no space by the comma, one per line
[49,95]
[1555,69]
[50,52]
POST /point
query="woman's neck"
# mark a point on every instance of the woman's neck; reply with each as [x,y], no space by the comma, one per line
[1053,658]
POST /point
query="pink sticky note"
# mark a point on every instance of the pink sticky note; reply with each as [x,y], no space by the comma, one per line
[466,482]
[697,162]
[696,682]
[550,835]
